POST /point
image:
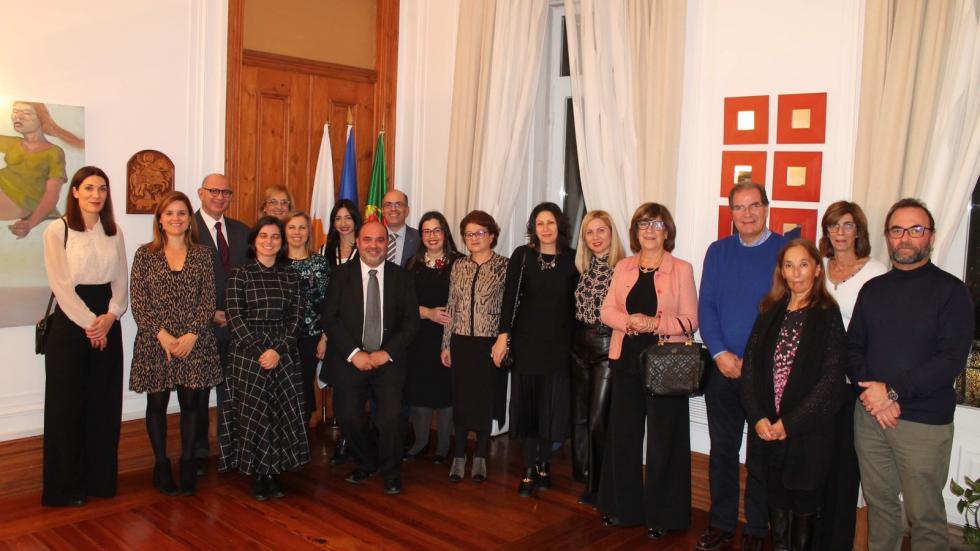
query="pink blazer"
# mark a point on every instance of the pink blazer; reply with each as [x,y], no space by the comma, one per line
[677,299]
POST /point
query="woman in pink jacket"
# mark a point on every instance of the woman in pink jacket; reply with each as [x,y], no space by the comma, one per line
[651,294]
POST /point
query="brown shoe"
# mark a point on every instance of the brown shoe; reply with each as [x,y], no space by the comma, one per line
[713,539]
[752,543]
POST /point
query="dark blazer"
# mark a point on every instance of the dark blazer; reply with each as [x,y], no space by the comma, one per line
[813,394]
[237,235]
[412,242]
[342,316]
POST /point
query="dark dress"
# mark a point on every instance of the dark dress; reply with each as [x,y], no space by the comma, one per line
[663,500]
[313,273]
[541,340]
[429,382]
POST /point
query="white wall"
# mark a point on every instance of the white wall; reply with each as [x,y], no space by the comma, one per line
[151,75]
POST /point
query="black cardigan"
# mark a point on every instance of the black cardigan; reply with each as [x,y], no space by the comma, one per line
[813,394]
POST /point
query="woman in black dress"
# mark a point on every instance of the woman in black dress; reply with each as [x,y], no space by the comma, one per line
[792,386]
[263,430]
[543,275]
[428,387]
[478,387]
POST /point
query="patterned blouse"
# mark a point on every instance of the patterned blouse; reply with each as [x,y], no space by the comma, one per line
[314,274]
[591,290]
[475,294]
[785,354]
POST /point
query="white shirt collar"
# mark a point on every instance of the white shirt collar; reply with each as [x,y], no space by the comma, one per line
[212,221]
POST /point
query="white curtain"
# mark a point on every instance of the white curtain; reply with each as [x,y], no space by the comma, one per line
[626,63]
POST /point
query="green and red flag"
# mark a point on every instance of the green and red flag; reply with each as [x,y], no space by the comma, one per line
[379,184]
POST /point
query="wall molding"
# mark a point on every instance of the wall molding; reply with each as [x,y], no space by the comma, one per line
[266,60]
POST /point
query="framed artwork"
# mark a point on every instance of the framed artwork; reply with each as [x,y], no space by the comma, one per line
[746,120]
[796,175]
[783,220]
[149,176]
[725,227]
[801,118]
[741,166]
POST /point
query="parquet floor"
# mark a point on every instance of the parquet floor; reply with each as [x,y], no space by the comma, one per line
[322,511]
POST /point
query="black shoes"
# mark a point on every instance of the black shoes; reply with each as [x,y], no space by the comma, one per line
[393,486]
[439,460]
[201,466]
[543,469]
[608,521]
[526,489]
[656,533]
[779,523]
[341,453]
[713,539]
[358,475]
[259,490]
[752,543]
[587,498]
[188,477]
[163,478]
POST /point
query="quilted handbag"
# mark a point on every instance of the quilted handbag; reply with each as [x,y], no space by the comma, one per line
[676,368]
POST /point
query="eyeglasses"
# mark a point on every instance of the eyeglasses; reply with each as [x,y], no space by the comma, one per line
[738,209]
[479,234]
[277,202]
[433,231]
[651,224]
[397,205]
[918,230]
[215,192]
[846,227]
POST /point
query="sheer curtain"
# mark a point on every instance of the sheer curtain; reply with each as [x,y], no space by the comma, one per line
[498,66]
[920,102]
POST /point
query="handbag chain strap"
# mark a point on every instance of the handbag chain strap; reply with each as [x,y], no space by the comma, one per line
[688,332]
[517,296]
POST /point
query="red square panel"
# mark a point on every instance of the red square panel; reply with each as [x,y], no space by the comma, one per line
[755,120]
[724,221]
[782,220]
[755,160]
[801,118]
[796,175]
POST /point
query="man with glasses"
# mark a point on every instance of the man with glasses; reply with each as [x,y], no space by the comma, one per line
[908,340]
[403,241]
[228,240]
[737,273]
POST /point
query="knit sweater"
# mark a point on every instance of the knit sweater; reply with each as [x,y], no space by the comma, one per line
[733,281]
[913,330]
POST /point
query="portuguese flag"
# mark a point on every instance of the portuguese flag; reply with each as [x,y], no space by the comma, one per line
[379,183]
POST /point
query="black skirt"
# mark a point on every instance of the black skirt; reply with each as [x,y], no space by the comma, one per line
[479,388]
[540,406]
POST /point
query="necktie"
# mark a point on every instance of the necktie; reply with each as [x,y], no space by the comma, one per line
[372,314]
[222,247]
[392,237]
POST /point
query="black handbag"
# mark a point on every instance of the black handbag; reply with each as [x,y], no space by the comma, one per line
[508,361]
[41,327]
[676,368]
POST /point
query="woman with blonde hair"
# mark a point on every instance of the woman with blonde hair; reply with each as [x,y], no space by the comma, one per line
[277,202]
[598,252]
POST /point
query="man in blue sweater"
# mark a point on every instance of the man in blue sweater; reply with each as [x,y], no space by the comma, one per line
[908,340]
[737,273]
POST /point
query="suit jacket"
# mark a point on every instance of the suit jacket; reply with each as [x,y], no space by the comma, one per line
[412,242]
[677,299]
[342,316]
[237,235]
[812,396]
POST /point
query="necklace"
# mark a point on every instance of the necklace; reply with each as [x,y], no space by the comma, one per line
[547,265]
[436,263]
[653,268]
[838,274]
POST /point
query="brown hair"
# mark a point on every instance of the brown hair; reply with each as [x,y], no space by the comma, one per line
[743,186]
[906,203]
[583,257]
[818,296]
[480,218]
[73,213]
[652,211]
[308,246]
[51,128]
[836,211]
[268,195]
[159,236]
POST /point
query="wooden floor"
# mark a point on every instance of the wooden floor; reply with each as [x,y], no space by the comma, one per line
[322,511]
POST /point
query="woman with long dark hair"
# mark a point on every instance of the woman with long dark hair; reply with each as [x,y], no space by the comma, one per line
[175,349]
[85,259]
[792,387]
[543,274]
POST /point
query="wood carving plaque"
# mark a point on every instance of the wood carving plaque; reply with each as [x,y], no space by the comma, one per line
[149,176]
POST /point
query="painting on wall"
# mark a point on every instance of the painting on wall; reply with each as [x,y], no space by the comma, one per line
[41,146]
[794,222]
[746,120]
[741,166]
[149,176]
[796,175]
[801,118]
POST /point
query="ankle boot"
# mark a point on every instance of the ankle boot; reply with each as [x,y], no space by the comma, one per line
[163,478]
[260,489]
[802,531]
[340,453]
[779,526]
[188,477]
[543,469]
[479,469]
[458,469]
[526,489]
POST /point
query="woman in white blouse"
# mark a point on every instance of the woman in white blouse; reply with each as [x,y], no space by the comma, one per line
[85,259]
[848,265]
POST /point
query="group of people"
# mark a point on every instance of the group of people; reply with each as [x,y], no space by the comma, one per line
[842,369]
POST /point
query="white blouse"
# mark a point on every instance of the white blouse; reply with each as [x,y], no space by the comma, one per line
[846,293]
[88,258]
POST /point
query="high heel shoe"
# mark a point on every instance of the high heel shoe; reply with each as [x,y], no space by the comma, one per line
[479,469]
[163,478]
[526,489]
[458,469]
[544,476]
[188,477]
[341,453]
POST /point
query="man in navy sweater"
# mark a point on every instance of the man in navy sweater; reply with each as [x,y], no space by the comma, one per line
[908,340]
[737,273]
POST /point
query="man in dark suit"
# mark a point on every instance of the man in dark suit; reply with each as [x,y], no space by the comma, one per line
[228,239]
[403,241]
[370,315]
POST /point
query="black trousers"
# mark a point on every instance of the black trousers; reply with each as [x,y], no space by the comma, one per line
[839,501]
[82,407]
[726,421]
[308,361]
[664,499]
[351,388]
[590,401]
[202,447]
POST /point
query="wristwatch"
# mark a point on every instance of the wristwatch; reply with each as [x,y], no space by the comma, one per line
[892,395]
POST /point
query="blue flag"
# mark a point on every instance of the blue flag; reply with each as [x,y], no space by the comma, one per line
[348,174]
